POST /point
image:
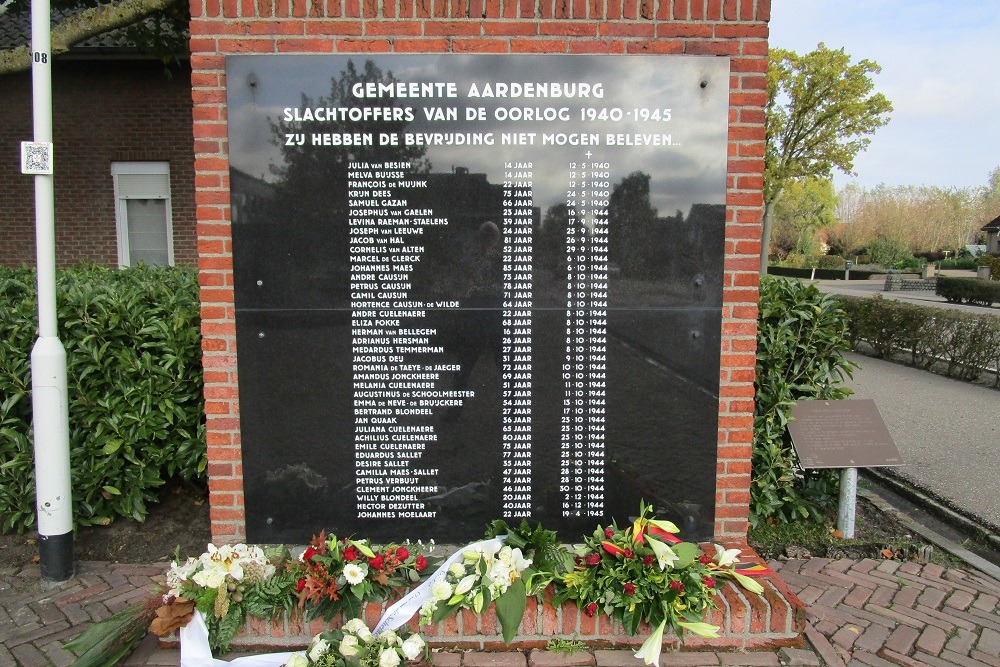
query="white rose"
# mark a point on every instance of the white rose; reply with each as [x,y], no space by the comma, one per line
[318,648]
[389,637]
[413,647]
[355,574]
[354,625]
[349,646]
[389,658]
[364,634]
[297,660]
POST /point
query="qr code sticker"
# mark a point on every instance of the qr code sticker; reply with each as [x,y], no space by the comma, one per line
[36,158]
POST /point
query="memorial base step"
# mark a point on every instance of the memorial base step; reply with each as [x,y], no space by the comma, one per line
[747,622]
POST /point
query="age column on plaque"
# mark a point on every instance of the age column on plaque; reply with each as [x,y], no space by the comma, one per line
[518,222]
[394,352]
[582,427]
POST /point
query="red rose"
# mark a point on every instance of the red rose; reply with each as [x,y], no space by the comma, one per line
[402,553]
[590,609]
[628,553]
[709,582]
[351,554]
[705,559]
[299,585]
[377,562]
[420,563]
[608,533]
[308,554]
[593,559]
[629,589]
[647,560]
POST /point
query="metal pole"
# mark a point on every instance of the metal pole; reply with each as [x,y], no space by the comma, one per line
[48,357]
[848,502]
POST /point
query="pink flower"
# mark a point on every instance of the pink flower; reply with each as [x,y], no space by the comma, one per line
[677,586]
[648,560]
[709,582]
[629,589]
[593,559]
[608,533]
[590,609]
[420,564]
[628,553]
[705,559]
[402,553]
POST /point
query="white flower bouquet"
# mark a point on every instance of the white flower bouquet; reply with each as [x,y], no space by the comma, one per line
[355,646]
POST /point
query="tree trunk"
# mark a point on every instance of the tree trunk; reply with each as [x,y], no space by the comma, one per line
[765,235]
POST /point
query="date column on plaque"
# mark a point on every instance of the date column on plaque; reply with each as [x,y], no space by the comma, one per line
[517,338]
[582,426]
[397,364]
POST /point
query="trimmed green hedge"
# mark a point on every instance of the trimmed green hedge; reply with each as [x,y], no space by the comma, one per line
[968,290]
[821,274]
[801,340]
[136,411]
[993,263]
[964,343]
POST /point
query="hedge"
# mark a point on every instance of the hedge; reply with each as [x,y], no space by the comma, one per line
[968,290]
[134,386]
[993,263]
[964,344]
[801,340]
[821,274]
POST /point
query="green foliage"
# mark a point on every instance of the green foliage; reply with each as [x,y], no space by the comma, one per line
[887,251]
[805,207]
[133,353]
[821,109]
[993,263]
[964,344]
[968,290]
[802,335]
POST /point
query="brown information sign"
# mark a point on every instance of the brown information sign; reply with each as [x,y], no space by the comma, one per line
[842,434]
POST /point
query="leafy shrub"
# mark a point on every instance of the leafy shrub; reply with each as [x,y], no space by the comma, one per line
[830,262]
[968,290]
[993,263]
[887,251]
[966,263]
[134,377]
[801,338]
[964,344]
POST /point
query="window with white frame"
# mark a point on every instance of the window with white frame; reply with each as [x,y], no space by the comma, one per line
[142,211]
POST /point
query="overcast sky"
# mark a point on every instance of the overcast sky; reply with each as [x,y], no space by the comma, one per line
[940,68]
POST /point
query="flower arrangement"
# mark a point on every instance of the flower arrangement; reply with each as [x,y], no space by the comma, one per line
[356,646]
[339,576]
[485,573]
[644,573]
[225,584]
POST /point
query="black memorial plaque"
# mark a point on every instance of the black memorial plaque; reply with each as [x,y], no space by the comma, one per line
[472,287]
[842,434]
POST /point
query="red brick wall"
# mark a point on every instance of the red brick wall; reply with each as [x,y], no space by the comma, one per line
[735,28]
[103,112]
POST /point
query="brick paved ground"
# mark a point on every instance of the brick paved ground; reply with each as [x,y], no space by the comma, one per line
[880,614]
[884,613]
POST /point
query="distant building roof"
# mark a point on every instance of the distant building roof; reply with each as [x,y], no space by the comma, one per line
[993,225]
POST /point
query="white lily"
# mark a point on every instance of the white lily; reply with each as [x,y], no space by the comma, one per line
[706,630]
[665,556]
[466,584]
[746,582]
[649,652]
[725,557]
